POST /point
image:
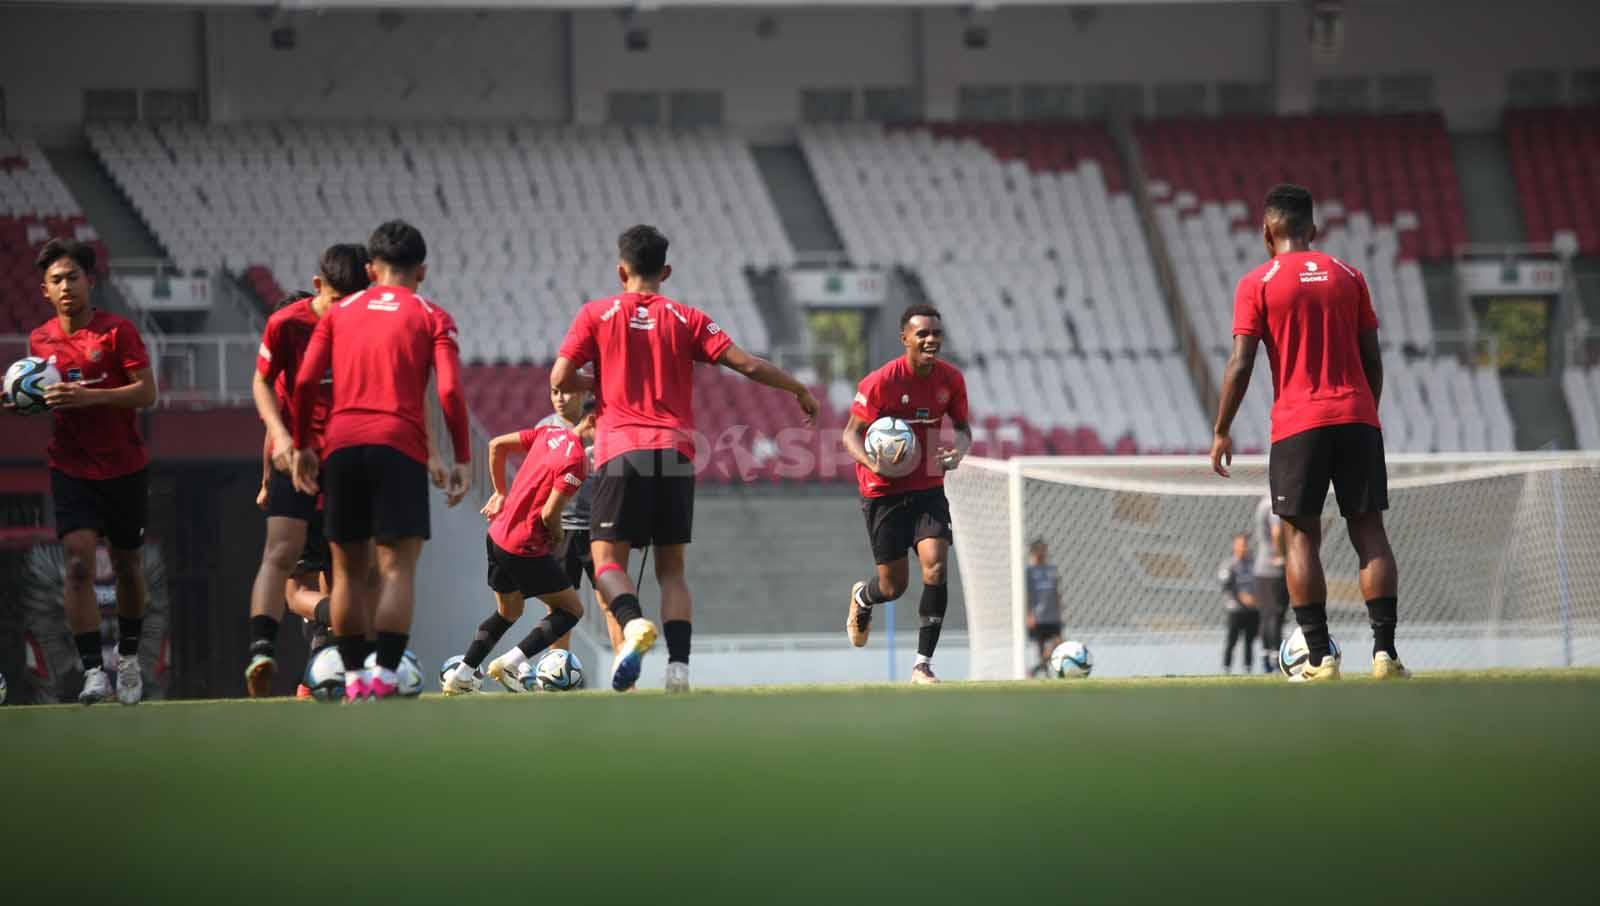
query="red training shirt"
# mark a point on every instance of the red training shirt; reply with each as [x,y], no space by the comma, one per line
[98,442]
[283,346]
[382,343]
[555,460]
[896,390]
[644,348]
[1310,310]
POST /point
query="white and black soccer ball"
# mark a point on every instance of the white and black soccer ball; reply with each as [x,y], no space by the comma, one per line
[892,447]
[558,671]
[1071,660]
[1293,655]
[2,688]
[409,672]
[25,384]
[325,675]
[449,667]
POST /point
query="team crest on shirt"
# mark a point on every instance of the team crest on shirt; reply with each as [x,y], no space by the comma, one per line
[944,395]
[96,354]
[905,398]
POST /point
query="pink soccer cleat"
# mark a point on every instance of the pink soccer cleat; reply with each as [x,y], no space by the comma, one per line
[356,688]
[377,688]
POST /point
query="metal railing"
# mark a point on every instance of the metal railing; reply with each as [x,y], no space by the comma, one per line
[208,370]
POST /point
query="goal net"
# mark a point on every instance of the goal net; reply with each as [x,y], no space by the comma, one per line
[1499,558]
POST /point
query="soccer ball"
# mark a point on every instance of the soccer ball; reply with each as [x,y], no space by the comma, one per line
[559,671]
[892,447]
[409,672]
[25,382]
[1293,654]
[1071,660]
[325,675]
[449,667]
[2,688]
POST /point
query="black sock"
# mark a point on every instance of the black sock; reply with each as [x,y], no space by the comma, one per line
[678,633]
[872,594]
[935,598]
[323,612]
[1383,614]
[1313,620]
[263,635]
[489,633]
[625,608]
[391,648]
[128,631]
[555,625]
[368,648]
[353,651]
[89,649]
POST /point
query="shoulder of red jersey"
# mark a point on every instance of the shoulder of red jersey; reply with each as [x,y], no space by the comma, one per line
[1263,272]
[105,320]
[1346,268]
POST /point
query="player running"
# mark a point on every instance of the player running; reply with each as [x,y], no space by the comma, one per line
[525,526]
[911,512]
[296,555]
[644,346]
[97,460]
[1315,315]
[382,344]
[574,412]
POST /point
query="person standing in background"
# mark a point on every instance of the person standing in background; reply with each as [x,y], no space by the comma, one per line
[1044,603]
[1271,588]
[1239,599]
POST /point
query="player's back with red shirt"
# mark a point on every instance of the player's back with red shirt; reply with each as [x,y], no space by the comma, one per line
[283,347]
[644,348]
[555,460]
[1310,310]
[922,401]
[95,442]
[382,344]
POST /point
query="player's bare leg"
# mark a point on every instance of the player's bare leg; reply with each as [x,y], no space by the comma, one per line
[613,628]
[888,584]
[83,614]
[286,538]
[133,599]
[638,634]
[1308,591]
[677,613]
[564,610]
[932,555]
[397,600]
[348,606]
[1380,588]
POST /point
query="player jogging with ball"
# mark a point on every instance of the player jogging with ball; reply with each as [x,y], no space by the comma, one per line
[1314,313]
[911,512]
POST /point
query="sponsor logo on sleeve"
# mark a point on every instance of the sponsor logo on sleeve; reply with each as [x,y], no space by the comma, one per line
[861,399]
[712,329]
[574,480]
[264,352]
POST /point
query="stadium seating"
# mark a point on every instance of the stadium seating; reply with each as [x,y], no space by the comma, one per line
[34,206]
[1555,158]
[522,219]
[1027,240]
[1387,198]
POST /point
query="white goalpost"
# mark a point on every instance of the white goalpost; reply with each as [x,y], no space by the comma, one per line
[1499,558]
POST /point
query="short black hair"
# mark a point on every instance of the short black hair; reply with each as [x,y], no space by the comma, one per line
[344,267]
[1292,205]
[291,297]
[398,244]
[919,310]
[56,249]
[644,249]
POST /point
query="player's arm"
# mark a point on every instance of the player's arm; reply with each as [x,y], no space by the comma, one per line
[1235,381]
[566,376]
[757,369]
[266,470]
[1372,363]
[554,506]
[280,442]
[950,457]
[500,449]
[139,394]
[447,372]
[313,365]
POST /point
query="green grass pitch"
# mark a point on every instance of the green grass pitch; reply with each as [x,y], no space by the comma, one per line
[1452,788]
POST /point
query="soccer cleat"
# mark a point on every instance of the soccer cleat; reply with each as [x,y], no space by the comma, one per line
[922,675]
[355,687]
[378,689]
[258,676]
[302,692]
[638,637]
[677,677]
[1386,667]
[461,681]
[859,624]
[1327,671]
[130,682]
[96,686]
[504,674]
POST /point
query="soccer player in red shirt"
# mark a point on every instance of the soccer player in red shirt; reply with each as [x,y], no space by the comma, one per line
[97,460]
[382,344]
[1315,316]
[296,553]
[910,512]
[524,530]
[644,346]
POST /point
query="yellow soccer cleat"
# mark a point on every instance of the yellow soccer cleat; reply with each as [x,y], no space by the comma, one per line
[858,625]
[1327,671]
[1385,667]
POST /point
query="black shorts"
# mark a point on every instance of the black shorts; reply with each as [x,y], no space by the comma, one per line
[527,576]
[644,497]
[284,500]
[1350,456]
[116,508]
[1044,632]
[374,491]
[898,522]
[573,555]
[315,557]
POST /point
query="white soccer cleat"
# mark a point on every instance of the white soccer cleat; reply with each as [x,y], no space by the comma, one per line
[1327,671]
[130,682]
[505,674]
[1385,667]
[96,686]
[677,677]
[461,681]
[638,637]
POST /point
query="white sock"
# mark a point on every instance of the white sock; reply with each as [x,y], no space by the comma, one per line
[513,659]
[923,659]
[388,676]
[463,673]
